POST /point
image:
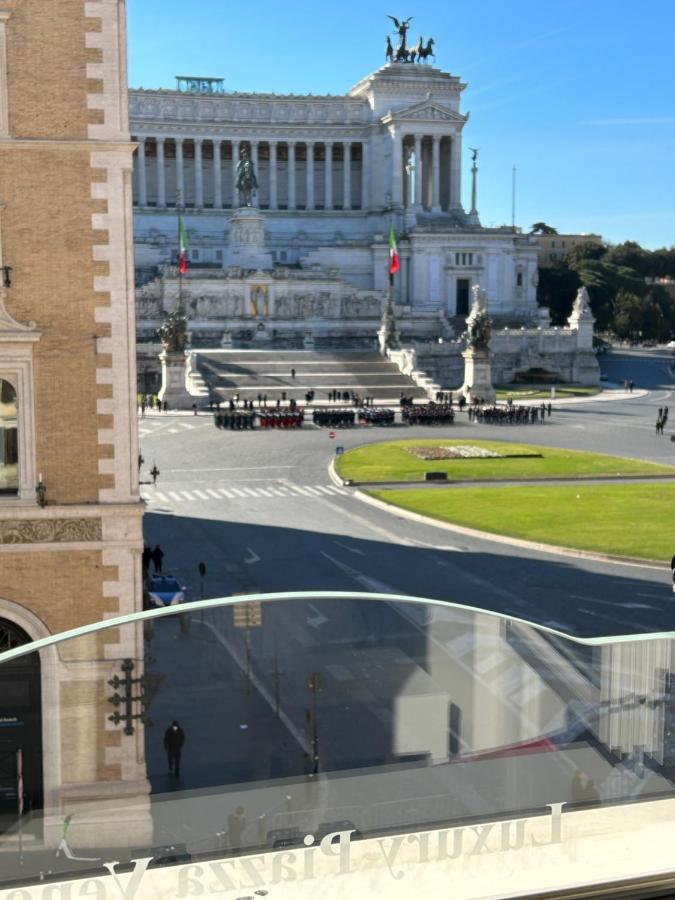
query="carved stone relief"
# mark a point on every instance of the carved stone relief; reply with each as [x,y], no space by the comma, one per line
[50,531]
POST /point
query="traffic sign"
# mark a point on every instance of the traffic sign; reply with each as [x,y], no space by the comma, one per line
[339,451]
[332,435]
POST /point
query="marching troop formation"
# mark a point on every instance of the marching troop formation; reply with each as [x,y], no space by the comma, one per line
[439,413]
[509,415]
[433,414]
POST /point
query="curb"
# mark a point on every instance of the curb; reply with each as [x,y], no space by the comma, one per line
[503,539]
[333,475]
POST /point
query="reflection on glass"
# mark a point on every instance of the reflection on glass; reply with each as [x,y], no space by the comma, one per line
[240,728]
[9,456]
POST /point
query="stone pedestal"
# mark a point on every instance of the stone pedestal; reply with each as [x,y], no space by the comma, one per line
[174,380]
[478,376]
[247,240]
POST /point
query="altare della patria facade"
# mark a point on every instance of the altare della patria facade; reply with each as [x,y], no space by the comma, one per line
[300,258]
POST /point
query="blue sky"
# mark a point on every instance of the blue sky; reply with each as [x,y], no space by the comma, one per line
[578,94]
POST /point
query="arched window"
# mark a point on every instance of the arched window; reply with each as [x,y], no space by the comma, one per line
[9,444]
[12,636]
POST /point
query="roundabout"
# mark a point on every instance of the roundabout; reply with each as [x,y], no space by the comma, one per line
[588,502]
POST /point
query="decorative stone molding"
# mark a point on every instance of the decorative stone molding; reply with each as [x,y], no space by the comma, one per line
[4,98]
[50,531]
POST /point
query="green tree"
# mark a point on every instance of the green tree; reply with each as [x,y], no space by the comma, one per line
[585,251]
[543,228]
[632,256]
[558,286]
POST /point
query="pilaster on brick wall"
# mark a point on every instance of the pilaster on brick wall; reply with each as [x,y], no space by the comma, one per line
[111,187]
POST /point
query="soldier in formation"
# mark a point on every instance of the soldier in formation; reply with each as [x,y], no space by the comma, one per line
[293,417]
[509,415]
[235,419]
[433,414]
[334,418]
[373,415]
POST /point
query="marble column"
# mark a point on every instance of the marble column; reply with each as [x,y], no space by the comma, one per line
[310,174]
[291,175]
[217,176]
[328,190]
[273,175]
[418,171]
[142,174]
[199,175]
[456,173]
[235,160]
[436,175]
[366,174]
[161,174]
[180,172]
[347,176]
[397,171]
[405,264]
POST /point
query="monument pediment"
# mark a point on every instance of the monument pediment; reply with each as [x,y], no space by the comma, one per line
[425,111]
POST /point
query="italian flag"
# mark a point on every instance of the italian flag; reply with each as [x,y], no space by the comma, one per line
[394,264]
[183,247]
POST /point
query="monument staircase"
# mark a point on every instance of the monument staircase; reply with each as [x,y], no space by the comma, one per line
[224,373]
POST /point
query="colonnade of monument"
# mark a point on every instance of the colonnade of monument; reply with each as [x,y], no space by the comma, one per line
[299,175]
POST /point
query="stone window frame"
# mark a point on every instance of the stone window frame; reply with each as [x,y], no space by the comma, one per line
[16,367]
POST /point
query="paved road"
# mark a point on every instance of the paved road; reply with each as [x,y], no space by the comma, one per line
[259,509]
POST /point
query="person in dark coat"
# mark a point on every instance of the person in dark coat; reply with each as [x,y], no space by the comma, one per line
[157,557]
[147,556]
[174,738]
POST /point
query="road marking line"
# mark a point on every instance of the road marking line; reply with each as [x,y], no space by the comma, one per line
[238,493]
[160,496]
[187,495]
[227,494]
[336,490]
[297,491]
[175,496]
[213,493]
[264,492]
[251,492]
[187,425]
[201,494]
[171,431]
[324,490]
[276,492]
[314,492]
[235,469]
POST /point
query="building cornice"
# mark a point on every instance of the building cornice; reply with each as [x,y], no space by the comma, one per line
[13,143]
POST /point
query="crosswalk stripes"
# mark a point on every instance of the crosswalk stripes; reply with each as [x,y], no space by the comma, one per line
[269,492]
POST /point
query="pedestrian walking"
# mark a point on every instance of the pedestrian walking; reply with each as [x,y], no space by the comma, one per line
[630,387]
[174,739]
[293,374]
[236,824]
[147,557]
[143,407]
[672,567]
[194,408]
[157,557]
[154,472]
[165,407]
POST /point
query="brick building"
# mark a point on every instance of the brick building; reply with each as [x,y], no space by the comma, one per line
[67,397]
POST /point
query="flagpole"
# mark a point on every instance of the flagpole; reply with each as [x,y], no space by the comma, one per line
[180,268]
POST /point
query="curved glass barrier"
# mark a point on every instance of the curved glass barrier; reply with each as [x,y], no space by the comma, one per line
[255,746]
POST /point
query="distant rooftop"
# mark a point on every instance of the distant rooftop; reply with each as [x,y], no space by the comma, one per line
[196,84]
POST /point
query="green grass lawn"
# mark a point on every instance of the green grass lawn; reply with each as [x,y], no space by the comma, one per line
[625,519]
[391,462]
[520,392]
